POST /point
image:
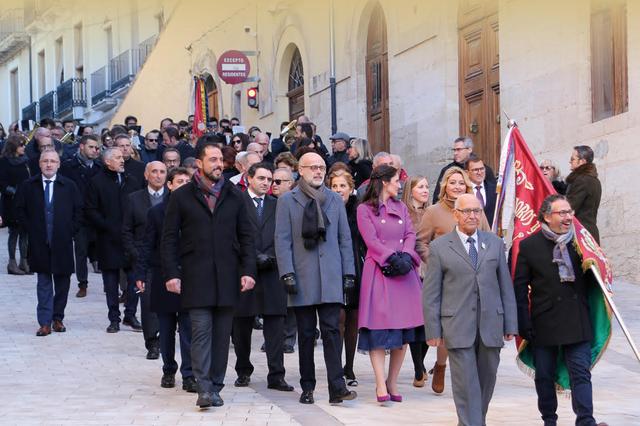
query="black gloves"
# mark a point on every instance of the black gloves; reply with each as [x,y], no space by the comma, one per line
[264,261]
[290,283]
[399,263]
[349,289]
[528,334]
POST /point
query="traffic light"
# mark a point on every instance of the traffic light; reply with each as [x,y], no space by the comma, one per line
[252,97]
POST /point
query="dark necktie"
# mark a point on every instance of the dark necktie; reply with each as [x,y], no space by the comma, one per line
[479,195]
[48,210]
[47,193]
[259,208]
[473,253]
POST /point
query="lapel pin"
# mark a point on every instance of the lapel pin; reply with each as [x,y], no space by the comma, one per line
[483,245]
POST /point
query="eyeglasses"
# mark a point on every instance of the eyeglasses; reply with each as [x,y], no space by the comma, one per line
[315,168]
[108,139]
[279,181]
[458,149]
[564,213]
[546,167]
[237,141]
[478,170]
[468,212]
[152,140]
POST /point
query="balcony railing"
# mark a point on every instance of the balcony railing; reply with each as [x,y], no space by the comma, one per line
[144,50]
[71,93]
[48,105]
[30,112]
[99,89]
[12,33]
[122,70]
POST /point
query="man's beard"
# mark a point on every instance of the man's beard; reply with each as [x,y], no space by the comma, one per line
[212,177]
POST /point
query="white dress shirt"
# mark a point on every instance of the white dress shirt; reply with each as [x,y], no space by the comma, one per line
[463,237]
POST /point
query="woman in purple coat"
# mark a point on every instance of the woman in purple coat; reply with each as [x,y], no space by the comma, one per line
[390,313]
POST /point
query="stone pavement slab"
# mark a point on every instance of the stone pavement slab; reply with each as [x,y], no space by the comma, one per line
[88,377]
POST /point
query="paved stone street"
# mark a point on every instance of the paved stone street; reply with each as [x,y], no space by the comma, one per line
[86,376]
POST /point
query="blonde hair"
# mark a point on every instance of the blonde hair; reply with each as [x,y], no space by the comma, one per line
[447,174]
[407,196]
[556,169]
[340,172]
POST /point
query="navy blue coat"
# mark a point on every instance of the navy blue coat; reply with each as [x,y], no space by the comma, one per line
[67,206]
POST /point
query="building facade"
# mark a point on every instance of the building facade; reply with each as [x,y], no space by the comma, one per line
[412,75]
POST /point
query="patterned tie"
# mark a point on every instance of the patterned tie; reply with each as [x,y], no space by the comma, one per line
[259,208]
[479,195]
[473,253]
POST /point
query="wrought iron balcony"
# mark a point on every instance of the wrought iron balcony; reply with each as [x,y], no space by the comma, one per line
[144,50]
[121,70]
[30,112]
[48,105]
[99,89]
[13,36]
[72,93]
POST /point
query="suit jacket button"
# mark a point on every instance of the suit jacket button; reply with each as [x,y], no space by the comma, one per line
[559,298]
[383,221]
[401,240]
[400,222]
[473,309]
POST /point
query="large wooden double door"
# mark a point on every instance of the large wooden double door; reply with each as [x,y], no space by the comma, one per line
[479,77]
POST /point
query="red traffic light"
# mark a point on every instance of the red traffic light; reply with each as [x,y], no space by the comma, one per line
[252,97]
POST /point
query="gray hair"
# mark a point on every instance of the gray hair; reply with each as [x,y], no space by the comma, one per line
[378,158]
[545,207]
[241,157]
[584,153]
[283,170]
[110,152]
[468,142]
[361,146]
[397,161]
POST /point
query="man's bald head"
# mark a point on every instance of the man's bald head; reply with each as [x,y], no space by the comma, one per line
[468,213]
[155,173]
[312,169]
[256,148]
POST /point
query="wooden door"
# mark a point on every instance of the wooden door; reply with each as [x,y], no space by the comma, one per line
[295,91]
[212,97]
[479,77]
[377,75]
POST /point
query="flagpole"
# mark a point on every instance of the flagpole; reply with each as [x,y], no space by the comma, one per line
[614,308]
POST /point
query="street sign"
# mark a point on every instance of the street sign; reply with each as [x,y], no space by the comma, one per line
[233,67]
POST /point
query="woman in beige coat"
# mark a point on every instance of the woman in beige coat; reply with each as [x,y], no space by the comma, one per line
[438,220]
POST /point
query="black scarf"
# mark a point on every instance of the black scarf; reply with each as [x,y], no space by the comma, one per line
[314,219]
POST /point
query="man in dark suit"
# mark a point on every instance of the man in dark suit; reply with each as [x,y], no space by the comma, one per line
[208,256]
[469,307]
[49,207]
[80,169]
[133,231]
[104,207]
[462,149]
[132,167]
[483,188]
[166,305]
[269,297]
[554,315]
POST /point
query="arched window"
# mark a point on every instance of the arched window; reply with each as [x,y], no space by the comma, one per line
[295,91]
[212,96]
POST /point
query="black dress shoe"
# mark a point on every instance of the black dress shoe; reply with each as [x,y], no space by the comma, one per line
[133,323]
[114,327]
[343,395]
[288,349]
[189,384]
[153,353]
[205,399]
[168,380]
[306,397]
[242,381]
[216,401]
[257,323]
[280,385]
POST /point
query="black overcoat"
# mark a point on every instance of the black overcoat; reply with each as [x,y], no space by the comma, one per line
[67,207]
[135,221]
[104,211]
[13,171]
[269,296]
[559,310]
[208,251]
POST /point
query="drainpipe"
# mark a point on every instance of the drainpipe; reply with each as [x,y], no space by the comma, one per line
[332,77]
[30,72]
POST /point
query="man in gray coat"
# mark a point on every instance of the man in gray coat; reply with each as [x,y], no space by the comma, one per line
[315,261]
[469,307]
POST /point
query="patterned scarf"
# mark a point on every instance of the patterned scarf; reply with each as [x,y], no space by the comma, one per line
[560,252]
[314,219]
[211,192]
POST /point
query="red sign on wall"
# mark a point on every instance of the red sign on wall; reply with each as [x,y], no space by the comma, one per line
[233,67]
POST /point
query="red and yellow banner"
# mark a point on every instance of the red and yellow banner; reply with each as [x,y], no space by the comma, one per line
[200,108]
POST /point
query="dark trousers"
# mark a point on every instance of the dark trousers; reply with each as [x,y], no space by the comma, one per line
[290,328]
[53,291]
[577,357]
[149,320]
[110,279]
[15,233]
[418,353]
[329,315]
[168,323]
[81,248]
[210,335]
[273,331]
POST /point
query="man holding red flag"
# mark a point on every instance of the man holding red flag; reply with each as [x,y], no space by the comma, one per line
[557,319]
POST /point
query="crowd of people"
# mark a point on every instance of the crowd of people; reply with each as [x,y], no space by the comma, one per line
[218,235]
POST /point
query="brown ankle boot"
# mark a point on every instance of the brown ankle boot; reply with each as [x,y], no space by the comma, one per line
[12,268]
[437,382]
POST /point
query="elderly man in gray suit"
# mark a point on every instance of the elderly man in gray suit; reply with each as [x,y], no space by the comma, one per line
[315,262]
[469,307]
